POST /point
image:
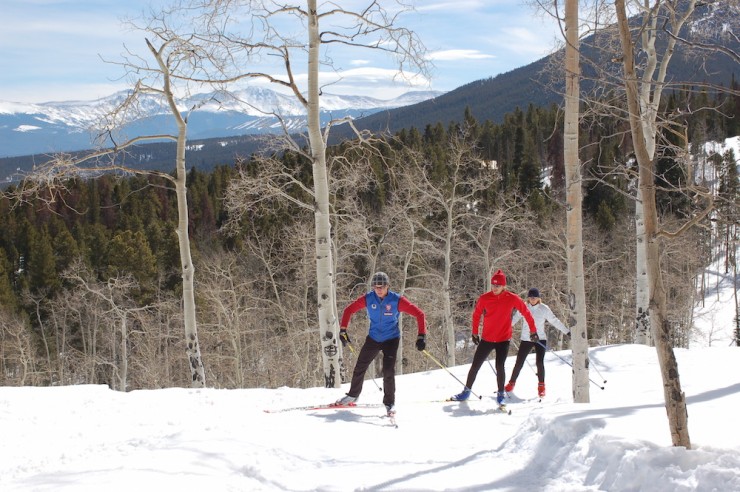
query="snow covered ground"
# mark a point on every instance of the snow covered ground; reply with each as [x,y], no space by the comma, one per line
[89,438]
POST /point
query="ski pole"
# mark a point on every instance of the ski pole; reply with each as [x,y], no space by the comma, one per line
[448,372]
[352,349]
[597,371]
[492,368]
[571,365]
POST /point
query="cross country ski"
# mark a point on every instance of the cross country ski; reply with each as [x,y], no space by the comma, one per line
[327,406]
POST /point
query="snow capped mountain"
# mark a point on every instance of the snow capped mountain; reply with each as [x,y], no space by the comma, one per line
[716,20]
[71,125]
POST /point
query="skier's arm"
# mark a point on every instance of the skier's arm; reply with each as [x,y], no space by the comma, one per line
[406,306]
[476,315]
[355,306]
[524,310]
[554,321]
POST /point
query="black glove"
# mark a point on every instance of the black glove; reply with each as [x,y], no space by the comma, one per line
[344,337]
[421,342]
[534,337]
[476,339]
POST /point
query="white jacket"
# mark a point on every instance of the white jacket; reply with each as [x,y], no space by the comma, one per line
[541,313]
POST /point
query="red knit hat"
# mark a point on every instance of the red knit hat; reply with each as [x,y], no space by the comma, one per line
[498,278]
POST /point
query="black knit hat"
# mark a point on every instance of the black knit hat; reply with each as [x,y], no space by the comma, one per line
[533,292]
[380,278]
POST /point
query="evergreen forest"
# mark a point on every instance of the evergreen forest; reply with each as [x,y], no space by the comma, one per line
[90,274]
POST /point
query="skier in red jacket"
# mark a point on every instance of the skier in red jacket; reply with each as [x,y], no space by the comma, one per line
[496,308]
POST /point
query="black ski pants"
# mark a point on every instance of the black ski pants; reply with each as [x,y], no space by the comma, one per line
[524,349]
[481,354]
[369,350]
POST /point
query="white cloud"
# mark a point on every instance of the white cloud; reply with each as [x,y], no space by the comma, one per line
[467,6]
[26,128]
[458,54]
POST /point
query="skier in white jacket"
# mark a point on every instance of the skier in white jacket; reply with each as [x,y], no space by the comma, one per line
[541,313]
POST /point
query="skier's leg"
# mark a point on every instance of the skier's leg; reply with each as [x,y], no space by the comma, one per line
[481,354]
[390,349]
[521,356]
[540,349]
[502,350]
[367,353]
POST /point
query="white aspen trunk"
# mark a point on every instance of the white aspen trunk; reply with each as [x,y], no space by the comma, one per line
[649,96]
[642,293]
[406,265]
[123,368]
[448,319]
[736,299]
[197,371]
[574,200]
[195,361]
[325,281]
[675,399]
[643,333]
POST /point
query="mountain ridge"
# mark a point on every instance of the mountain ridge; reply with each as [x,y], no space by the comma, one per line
[67,126]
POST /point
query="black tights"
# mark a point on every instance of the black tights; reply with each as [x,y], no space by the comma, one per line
[481,354]
[369,350]
[524,349]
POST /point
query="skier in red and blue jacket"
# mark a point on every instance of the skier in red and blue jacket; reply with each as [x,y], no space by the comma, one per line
[384,307]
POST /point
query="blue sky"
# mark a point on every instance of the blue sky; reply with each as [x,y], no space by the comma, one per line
[51,50]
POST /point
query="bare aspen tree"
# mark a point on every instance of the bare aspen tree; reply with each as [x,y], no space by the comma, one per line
[175,60]
[17,359]
[166,55]
[115,295]
[643,97]
[574,209]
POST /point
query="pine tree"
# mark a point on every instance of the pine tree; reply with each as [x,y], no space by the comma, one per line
[129,254]
[8,300]
[40,262]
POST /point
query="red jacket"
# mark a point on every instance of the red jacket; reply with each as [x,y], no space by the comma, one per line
[497,311]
